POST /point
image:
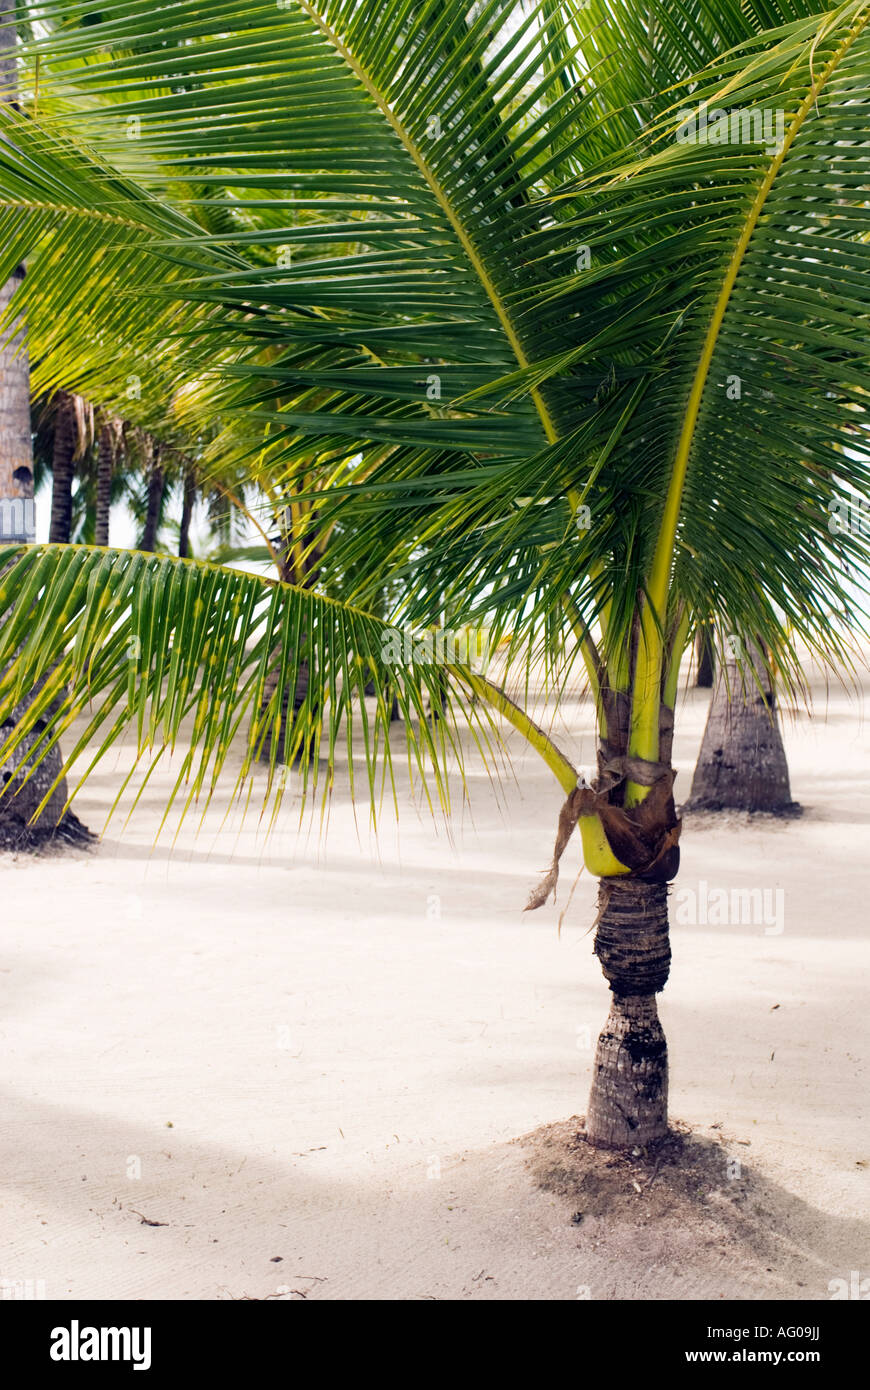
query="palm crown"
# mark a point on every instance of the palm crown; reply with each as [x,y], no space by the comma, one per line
[465,302]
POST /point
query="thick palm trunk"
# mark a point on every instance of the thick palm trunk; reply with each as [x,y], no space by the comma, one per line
[16,451]
[105,469]
[17,524]
[156,484]
[628,1103]
[742,764]
[21,798]
[62,469]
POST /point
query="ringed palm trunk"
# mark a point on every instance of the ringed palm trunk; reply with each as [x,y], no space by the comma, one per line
[22,797]
[63,469]
[16,451]
[17,523]
[742,764]
[628,1101]
[156,484]
[188,500]
[105,469]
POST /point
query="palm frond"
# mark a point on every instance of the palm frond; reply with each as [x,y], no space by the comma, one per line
[212,662]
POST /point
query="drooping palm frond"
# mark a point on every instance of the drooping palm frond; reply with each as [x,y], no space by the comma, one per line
[190,654]
[726,296]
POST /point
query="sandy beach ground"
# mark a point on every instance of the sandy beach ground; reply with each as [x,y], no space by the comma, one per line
[298,1068]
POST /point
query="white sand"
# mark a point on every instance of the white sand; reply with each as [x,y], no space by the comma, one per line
[315,1053]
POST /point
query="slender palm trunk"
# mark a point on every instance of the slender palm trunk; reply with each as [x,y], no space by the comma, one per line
[62,469]
[704,654]
[742,764]
[186,513]
[105,469]
[156,485]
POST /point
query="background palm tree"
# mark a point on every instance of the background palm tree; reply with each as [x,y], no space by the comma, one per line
[704,657]
[483,302]
[187,505]
[742,764]
[155,493]
[36,784]
[108,452]
[72,433]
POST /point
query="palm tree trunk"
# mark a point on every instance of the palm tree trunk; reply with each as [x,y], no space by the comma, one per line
[16,450]
[704,653]
[156,484]
[186,513]
[288,575]
[742,764]
[628,1103]
[17,524]
[270,686]
[62,469]
[21,798]
[105,469]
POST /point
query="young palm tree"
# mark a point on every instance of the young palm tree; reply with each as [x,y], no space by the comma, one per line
[563,370]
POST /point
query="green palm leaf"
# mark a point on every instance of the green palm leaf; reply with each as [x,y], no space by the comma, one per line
[207,659]
[580,284]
